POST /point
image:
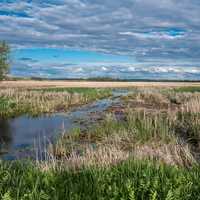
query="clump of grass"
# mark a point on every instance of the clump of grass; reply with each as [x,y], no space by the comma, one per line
[14,102]
[172,154]
[187,126]
[192,105]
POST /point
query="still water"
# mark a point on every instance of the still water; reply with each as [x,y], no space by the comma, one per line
[19,137]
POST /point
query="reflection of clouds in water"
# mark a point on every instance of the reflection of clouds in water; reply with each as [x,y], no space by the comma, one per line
[5,136]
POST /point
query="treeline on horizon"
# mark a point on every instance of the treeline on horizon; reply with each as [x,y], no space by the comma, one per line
[98,79]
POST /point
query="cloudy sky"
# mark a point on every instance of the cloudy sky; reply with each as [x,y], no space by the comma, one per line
[154,39]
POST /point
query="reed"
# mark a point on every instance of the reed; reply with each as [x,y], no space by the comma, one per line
[167,136]
[14,102]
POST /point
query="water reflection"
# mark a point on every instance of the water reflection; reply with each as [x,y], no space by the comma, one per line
[5,136]
[19,136]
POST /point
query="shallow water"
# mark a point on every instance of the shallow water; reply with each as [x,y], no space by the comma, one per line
[20,136]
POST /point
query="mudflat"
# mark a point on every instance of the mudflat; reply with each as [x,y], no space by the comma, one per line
[91,84]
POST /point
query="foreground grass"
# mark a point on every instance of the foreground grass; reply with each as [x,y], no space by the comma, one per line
[129,180]
[14,102]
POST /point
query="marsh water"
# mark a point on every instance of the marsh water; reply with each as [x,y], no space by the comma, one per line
[21,137]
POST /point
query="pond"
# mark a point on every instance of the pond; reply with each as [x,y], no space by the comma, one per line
[24,136]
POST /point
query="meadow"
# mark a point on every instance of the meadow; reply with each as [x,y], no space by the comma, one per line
[145,147]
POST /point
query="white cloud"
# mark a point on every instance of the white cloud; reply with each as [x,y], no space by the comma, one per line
[128,27]
[148,30]
[153,35]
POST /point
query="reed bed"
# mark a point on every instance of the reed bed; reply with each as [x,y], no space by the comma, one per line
[171,136]
[14,102]
[140,136]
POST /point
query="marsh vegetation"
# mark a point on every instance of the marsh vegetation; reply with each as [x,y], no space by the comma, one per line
[15,102]
[145,146]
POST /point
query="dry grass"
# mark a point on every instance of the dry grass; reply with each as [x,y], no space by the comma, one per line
[146,141]
[171,154]
[192,105]
[15,102]
[168,136]
[105,155]
[92,84]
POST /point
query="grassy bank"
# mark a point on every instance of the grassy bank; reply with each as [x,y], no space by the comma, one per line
[14,102]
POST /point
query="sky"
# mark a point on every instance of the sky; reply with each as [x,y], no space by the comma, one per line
[127,39]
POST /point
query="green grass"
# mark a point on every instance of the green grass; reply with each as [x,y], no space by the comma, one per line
[191,89]
[129,180]
[72,90]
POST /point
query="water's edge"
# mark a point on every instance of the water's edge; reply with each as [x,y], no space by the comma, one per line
[19,137]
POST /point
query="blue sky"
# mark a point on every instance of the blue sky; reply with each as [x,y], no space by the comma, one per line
[154,39]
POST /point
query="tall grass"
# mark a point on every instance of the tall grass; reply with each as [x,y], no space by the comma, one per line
[167,135]
[14,102]
[140,135]
[129,180]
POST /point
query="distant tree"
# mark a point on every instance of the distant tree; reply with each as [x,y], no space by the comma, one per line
[4,59]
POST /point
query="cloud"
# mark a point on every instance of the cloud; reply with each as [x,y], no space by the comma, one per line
[106,26]
[162,35]
[113,70]
[165,34]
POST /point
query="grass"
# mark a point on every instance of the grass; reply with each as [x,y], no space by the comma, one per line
[150,150]
[14,102]
[128,180]
[140,135]
[188,89]
[151,129]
